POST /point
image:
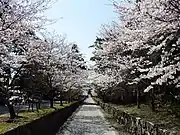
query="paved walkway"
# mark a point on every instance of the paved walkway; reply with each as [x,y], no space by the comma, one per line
[88,120]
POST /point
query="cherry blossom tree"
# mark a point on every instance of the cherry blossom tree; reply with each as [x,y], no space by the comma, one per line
[142,50]
[62,64]
[18,19]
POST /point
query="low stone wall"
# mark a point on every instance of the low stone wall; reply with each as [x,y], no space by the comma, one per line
[134,125]
[47,125]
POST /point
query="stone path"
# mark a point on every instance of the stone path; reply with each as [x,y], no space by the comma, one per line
[88,120]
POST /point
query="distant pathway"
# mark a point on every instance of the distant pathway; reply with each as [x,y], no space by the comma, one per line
[88,120]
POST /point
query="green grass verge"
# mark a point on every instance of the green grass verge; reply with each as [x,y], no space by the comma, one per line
[167,117]
[27,117]
[162,116]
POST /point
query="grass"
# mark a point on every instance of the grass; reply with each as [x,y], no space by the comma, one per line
[26,117]
[167,117]
[163,117]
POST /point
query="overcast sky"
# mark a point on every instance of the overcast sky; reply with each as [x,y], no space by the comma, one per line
[81,20]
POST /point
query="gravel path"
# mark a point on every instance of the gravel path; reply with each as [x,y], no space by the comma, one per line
[88,120]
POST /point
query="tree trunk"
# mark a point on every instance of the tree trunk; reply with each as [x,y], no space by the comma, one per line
[11,111]
[51,103]
[32,106]
[37,107]
[137,94]
[29,106]
[152,101]
[61,102]
[69,100]
[10,108]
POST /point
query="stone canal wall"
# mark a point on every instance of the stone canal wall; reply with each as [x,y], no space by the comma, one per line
[134,125]
[47,125]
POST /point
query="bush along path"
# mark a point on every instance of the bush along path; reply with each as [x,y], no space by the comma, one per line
[132,123]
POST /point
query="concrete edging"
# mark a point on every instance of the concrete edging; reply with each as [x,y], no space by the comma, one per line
[47,125]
